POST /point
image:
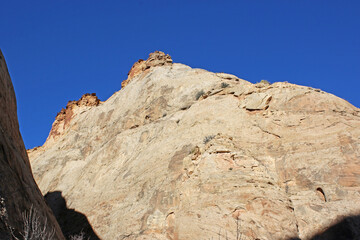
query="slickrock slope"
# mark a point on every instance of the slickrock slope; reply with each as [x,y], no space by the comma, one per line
[18,190]
[181,153]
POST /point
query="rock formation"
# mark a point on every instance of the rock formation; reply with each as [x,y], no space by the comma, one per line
[184,153]
[19,193]
[155,59]
[73,108]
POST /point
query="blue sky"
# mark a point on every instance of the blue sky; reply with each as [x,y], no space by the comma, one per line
[58,50]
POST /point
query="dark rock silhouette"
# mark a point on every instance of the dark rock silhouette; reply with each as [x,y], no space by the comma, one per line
[346,229]
[18,190]
[71,222]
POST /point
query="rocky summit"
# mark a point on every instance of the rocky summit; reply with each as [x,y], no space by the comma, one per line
[183,153]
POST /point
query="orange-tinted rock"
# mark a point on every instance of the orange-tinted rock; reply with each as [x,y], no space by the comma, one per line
[156,58]
[64,117]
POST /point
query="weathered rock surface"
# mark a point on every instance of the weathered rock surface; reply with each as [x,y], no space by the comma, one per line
[183,153]
[18,190]
[73,108]
[155,59]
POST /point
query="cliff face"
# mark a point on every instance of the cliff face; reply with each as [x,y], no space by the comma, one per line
[18,190]
[184,153]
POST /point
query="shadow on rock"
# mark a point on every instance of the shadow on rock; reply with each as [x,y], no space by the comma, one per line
[346,229]
[72,223]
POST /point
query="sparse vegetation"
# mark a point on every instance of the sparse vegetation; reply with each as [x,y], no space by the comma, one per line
[238,232]
[4,216]
[265,82]
[34,228]
[80,236]
[208,139]
[199,94]
[224,85]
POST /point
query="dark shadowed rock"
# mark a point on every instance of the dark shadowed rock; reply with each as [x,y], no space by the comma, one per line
[18,190]
[72,222]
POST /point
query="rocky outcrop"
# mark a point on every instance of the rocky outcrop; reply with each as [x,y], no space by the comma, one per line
[155,59]
[19,194]
[184,153]
[65,116]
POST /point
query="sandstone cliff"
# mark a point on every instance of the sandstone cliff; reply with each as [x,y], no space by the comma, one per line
[183,153]
[18,190]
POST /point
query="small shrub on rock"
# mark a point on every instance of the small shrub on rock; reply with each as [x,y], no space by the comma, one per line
[208,138]
[224,85]
[266,82]
[199,94]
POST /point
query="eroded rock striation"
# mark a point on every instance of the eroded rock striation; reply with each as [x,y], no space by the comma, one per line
[19,193]
[183,153]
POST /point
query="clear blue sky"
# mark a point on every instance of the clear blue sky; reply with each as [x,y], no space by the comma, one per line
[58,50]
